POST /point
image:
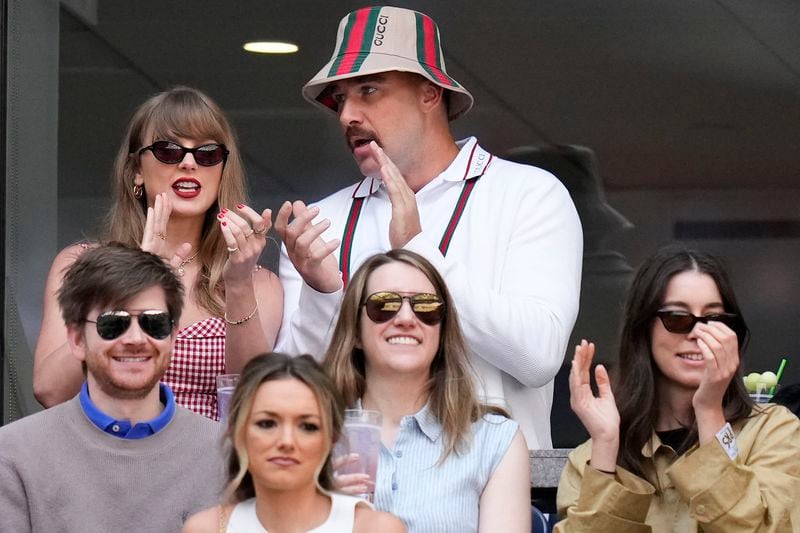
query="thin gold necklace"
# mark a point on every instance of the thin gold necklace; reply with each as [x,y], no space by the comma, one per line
[181,271]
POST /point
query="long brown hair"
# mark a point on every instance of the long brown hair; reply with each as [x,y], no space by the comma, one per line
[273,367]
[178,112]
[637,399]
[452,397]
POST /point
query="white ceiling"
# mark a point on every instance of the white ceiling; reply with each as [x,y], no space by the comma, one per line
[669,94]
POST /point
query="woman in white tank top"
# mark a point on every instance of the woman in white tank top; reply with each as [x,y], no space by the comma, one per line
[284,418]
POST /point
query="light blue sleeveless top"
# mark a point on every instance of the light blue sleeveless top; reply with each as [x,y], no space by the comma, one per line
[444,498]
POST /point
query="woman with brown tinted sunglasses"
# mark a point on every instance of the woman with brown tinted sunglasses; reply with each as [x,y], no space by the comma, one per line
[445,464]
[179,192]
[678,445]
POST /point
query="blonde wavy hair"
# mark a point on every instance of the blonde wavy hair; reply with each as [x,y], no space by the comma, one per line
[189,113]
[450,387]
[274,367]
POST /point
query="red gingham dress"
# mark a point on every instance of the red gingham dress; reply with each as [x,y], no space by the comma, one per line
[198,357]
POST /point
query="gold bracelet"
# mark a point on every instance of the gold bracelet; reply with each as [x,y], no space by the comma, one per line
[243,320]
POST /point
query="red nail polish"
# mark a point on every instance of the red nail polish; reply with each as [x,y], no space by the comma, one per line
[225,210]
[239,206]
[220,216]
[224,223]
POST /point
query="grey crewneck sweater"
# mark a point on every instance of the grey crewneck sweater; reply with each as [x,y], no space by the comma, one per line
[60,473]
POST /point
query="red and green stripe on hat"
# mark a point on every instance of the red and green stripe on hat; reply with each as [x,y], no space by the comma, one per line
[358,42]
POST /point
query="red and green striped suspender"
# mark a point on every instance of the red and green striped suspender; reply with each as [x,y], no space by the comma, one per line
[349,232]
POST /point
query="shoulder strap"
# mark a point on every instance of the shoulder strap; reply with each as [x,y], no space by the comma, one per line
[477,164]
[223,519]
[347,238]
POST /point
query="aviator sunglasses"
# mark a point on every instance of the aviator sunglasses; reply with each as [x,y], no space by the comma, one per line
[383,306]
[112,324]
[683,322]
[171,153]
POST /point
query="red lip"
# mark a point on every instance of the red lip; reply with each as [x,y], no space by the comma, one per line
[191,191]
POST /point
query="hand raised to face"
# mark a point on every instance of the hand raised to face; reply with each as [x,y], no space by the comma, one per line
[720,348]
[405,223]
[154,238]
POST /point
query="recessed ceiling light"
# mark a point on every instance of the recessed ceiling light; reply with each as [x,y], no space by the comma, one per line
[270,47]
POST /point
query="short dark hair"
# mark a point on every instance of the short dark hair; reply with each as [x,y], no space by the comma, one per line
[111,275]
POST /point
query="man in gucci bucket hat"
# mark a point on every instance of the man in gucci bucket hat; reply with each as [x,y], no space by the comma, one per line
[505,236]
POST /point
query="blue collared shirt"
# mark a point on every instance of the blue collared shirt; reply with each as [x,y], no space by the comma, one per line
[439,498]
[123,428]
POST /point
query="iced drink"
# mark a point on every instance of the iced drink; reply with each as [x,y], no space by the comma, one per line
[361,440]
[761,395]
[226,384]
[224,402]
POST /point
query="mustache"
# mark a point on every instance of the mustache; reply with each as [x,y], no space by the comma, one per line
[358,131]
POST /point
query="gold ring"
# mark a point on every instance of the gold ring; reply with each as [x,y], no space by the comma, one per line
[162,235]
[232,250]
[260,231]
[249,233]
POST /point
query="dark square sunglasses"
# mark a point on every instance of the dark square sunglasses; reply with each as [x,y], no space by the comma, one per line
[383,306]
[112,324]
[171,153]
[683,322]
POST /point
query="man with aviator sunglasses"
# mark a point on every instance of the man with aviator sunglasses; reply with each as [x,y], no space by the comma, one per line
[65,468]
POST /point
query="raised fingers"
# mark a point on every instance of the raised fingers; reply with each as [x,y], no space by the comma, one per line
[291,230]
[259,223]
[581,362]
[718,341]
[603,382]
[162,208]
[181,254]
[307,239]
[238,225]
[147,236]
[228,233]
[351,483]
[586,351]
[154,236]
[396,186]
[282,219]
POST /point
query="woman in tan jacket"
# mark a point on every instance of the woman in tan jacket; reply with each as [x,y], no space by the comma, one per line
[680,447]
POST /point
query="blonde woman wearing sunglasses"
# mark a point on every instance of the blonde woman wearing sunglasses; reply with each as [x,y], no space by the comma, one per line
[179,192]
[678,445]
[445,463]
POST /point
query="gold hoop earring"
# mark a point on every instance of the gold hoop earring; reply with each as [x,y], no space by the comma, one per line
[138,191]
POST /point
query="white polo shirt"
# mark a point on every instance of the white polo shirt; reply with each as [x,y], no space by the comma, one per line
[513,267]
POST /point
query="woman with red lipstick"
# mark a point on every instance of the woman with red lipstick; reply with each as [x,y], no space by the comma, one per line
[680,446]
[446,463]
[179,192]
[285,416]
